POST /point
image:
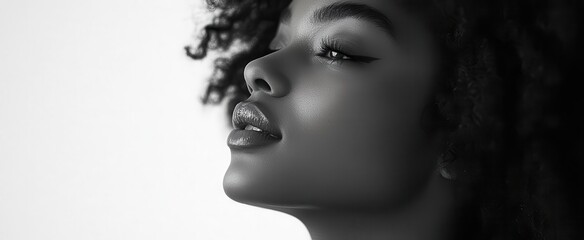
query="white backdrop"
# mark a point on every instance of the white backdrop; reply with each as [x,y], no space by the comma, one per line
[102,134]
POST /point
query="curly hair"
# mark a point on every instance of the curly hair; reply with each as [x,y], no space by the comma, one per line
[507,96]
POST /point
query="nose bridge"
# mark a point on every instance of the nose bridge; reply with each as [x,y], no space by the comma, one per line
[268,74]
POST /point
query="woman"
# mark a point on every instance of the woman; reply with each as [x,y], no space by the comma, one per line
[388,119]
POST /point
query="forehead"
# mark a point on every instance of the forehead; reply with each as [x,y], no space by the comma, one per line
[301,13]
[304,9]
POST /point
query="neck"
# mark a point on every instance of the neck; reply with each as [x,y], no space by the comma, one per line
[425,218]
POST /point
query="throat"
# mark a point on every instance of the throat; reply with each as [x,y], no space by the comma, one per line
[429,217]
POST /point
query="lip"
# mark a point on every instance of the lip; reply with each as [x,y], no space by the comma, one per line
[248,113]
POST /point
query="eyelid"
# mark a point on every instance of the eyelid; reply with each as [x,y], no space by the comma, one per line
[328,44]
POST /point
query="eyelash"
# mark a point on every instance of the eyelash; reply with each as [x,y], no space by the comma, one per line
[328,46]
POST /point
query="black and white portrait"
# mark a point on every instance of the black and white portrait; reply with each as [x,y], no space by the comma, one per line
[292,119]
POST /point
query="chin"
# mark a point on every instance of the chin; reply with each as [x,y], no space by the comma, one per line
[247,188]
[236,186]
[241,187]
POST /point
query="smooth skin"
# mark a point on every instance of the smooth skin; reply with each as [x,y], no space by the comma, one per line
[354,161]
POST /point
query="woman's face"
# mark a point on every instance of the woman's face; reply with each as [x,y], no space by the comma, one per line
[346,89]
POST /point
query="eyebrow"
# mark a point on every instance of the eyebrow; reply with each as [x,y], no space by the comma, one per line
[340,10]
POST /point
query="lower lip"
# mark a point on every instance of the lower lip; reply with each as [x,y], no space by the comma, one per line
[240,139]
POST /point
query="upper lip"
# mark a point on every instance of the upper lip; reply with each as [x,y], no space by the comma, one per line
[248,113]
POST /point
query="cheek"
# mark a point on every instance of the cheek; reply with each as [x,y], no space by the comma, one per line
[354,138]
[347,141]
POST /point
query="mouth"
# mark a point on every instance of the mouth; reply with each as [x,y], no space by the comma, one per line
[252,127]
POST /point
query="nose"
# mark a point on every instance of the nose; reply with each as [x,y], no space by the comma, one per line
[266,74]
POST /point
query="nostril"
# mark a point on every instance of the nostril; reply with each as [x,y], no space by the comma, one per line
[262,84]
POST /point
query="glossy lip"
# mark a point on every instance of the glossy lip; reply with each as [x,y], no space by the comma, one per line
[248,113]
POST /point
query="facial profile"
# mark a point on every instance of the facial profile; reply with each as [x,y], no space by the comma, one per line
[392,119]
[345,89]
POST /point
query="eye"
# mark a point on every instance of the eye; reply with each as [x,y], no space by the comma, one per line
[336,55]
[333,55]
[332,51]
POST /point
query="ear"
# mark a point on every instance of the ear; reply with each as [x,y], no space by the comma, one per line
[445,166]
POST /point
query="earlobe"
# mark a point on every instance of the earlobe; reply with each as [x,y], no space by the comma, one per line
[447,174]
[445,167]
